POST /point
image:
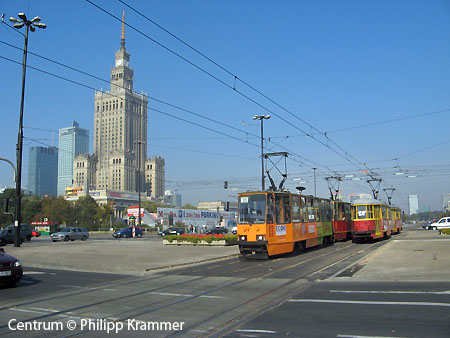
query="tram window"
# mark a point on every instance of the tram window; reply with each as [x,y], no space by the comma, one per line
[252,208]
[361,211]
[305,209]
[370,211]
[383,210]
[282,209]
[296,209]
[270,208]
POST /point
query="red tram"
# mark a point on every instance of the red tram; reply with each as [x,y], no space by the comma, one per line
[373,219]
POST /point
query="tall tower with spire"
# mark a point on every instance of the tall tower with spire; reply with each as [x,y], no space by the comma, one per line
[120,128]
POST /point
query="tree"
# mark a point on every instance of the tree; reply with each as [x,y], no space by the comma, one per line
[57,210]
[104,212]
[85,211]
[189,206]
[31,206]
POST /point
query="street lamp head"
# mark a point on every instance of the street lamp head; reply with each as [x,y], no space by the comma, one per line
[256,117]
[41,25]
[22,16]
[19,25]
[36,19]
[267,117]
[32,28]
[14,19]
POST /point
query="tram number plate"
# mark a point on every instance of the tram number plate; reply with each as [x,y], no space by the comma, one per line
[5,273]
[280,230]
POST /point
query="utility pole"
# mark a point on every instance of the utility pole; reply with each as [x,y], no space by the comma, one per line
[315,191]
[261,118]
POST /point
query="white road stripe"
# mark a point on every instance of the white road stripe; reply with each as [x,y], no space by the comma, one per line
[394,292]
[355,336]
[256,331]
[364,302]
[182,295]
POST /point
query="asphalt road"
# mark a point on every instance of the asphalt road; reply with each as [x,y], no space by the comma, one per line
[303,295]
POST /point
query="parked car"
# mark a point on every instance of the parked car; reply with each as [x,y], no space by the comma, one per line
[36,233]
[443,223]
[128,232]
[7,236]
[217,231]
[234,230]
[25,228]
[426,225]
[171,231]
[70,233]
[10,269]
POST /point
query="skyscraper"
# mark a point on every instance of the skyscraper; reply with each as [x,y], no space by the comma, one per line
[120,128]
[72,141]
[413,204]
[43,171]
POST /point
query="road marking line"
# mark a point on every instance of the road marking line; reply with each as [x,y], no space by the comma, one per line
[394,292]
[182,295]
[355,336]
[34,273]
[256,331]
[363,302]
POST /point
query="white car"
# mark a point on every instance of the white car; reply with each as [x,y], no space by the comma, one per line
[443,223]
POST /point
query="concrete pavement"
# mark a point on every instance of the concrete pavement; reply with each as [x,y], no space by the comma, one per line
[127,256]
[414,255]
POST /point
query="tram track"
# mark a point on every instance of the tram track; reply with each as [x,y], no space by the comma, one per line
[159,305]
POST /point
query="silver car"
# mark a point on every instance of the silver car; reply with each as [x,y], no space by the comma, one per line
[70,233]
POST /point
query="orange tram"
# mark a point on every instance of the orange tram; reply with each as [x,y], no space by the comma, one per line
[277,222]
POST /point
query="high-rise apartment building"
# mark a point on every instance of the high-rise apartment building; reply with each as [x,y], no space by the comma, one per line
[155,177]
[72,141]
[446,202]
[43,171]
[413,204]
[120,129]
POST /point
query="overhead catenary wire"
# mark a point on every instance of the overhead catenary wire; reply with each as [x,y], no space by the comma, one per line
[346,155]
[152,98]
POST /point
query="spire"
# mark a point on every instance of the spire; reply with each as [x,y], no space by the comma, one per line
[122,40]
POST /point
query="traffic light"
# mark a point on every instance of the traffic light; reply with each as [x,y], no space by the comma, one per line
[225,184]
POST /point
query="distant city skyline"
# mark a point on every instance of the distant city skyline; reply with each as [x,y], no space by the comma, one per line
[372,75]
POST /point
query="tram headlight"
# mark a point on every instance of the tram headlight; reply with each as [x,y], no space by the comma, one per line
[243,238]
[261,238]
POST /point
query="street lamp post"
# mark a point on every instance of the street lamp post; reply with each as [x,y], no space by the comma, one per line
[315,191]
[30,25]
[261,118]
[139,143]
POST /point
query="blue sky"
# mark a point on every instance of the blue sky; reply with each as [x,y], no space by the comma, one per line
[331,64]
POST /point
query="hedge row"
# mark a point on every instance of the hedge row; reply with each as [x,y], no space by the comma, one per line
[208,239]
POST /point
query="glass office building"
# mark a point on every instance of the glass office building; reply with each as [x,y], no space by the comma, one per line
[72,141]
[43,171]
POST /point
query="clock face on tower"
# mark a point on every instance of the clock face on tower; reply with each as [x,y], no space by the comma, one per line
[118,62]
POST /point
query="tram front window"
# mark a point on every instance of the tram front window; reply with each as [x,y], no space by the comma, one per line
[252,209]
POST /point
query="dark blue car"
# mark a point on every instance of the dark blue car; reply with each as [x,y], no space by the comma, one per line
[128,232]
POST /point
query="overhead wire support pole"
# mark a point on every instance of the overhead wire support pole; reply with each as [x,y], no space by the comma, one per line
[261,118]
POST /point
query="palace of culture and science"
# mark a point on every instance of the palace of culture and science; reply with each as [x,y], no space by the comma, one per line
[119,163]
